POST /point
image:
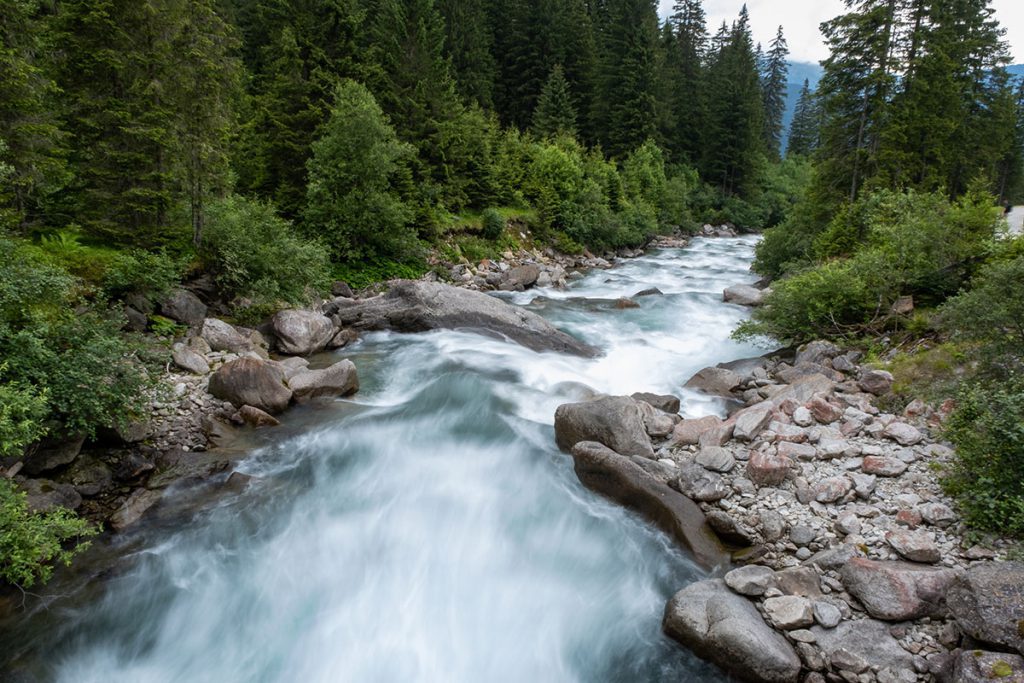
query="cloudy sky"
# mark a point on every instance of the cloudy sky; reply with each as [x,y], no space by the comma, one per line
[800,19]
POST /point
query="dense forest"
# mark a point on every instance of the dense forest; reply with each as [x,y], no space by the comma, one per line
[270,146]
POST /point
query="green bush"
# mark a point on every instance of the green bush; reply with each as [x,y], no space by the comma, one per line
[256,255]
[493,224]
[987,476]
[23,409]
[372,271]
[32,543]
[141,272]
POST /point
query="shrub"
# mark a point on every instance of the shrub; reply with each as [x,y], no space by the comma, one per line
[32,543]
[22,412]
[141,272]
[987,476]
[493,224]
[257,255]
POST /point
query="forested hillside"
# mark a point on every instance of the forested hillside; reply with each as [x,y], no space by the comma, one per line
[259,149]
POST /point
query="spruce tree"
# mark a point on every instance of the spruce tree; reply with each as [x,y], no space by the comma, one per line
[803,132]
[774,84]
[686,94]
[555,114]
[468,41]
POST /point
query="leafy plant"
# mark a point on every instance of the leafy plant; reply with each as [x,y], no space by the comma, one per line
[493,224]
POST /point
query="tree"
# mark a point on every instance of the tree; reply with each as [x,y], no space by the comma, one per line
[803,132]
[468,43]
[357,167]
[775,82]
[555,114]
[686,93]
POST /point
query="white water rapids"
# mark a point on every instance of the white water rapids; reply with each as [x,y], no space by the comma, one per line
[429,529]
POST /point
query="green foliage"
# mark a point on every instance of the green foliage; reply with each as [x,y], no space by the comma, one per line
[987,477]
[493,224]
[358,164]
[371,271]
[141,272]
[31,543]
[555,115]
[22,412]
[258,256]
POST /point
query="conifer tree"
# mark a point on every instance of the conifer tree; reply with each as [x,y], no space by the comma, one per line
[555,114]
[774,87]
[468,41]
[686,95]
[803,132]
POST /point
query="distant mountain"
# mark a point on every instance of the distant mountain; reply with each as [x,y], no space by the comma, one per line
[1017,70]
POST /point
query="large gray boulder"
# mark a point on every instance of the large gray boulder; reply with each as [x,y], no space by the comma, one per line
[53,452]
[744,295]
[187,359]
[254,382]
[626,480]
[300,333]
[866,640]
[220,336]
[897,591]
[417,306]
[975,666]
[183,306]
[988,603]
[339,379]
[726,629]
[715,381]
[615,421]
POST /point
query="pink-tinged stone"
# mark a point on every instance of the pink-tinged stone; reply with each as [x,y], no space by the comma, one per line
[916,546]
[688,432]
[897,591]
[883,467]
[823,411]
[765,469]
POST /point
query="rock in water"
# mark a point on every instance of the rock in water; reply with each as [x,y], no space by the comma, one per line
[743,295]
[615,421]
[726,628]
[665,403]
[338,380]
[417,306]
[988,603]
[715,381]
[248,381]
[300,333]
[625,481]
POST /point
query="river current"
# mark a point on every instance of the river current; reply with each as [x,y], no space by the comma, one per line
[427,530]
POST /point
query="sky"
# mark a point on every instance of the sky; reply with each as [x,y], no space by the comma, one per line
[800,20]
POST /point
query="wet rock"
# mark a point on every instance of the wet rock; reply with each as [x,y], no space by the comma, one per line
[914,546]
[342,339]
[188,360]
[724,627]
[699,484]
[623,304]
[663,402]
[182,467]
[134,508]
[248,381]
[903,434]
[752,580]
[743,295]
[988,603]
[184,307]
[254,417]
[53,452]
[716,459]
[765,469]
[897,591]
[877,382]
[339,379]
[789,612]
[300,333]
[42,495]
[882,466]
[866,641]
[620,478]
[651,291]
[715,381]
[418,306]
[976,666]
[615,421]
[221,336]
[689,432]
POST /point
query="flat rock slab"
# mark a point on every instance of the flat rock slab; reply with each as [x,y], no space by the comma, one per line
[897,591]
[416,306]
[623,480]
[727,629]
[866,640]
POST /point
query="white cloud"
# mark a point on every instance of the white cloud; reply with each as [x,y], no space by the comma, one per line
[800,20]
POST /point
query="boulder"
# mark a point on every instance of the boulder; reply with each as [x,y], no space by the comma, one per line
[622,304]
[715,381]
[752,580]
[832,489]
[882,466]
[521,277]
[300,333]
[988,603]
[726,628]
[729,530]
[801,581]
[43,495]
[903,434]
[914,546]
[765,469]
[865,640]
[877,382]
[823,411]
[938,514]
[897,591]
[816,353]
[132,510]
[188,360]
[743,295]
[53,452]
[254,417]
[696,483]
[221,336]
[689,432]
[184,307]
[89,475]
[615,421]
[341,288]
[976,666]
[750,422]
[789,612]
[664,403]
[716,459]
[623,480]
[658,424]
[339,379]
[418,306]
[249,381]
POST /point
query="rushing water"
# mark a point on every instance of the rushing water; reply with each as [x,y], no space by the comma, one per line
[429,530]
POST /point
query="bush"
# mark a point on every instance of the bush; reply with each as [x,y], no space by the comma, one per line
[987,476]
[493,224]
[32,543]
[256,255]
[23,409]
[141,272]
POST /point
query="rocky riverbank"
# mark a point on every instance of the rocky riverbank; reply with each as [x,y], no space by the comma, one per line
[848,562]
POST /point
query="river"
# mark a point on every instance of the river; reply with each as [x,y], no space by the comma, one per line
[427,530]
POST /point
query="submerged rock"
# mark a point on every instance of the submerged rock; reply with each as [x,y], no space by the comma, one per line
[417,306]
[339,379]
